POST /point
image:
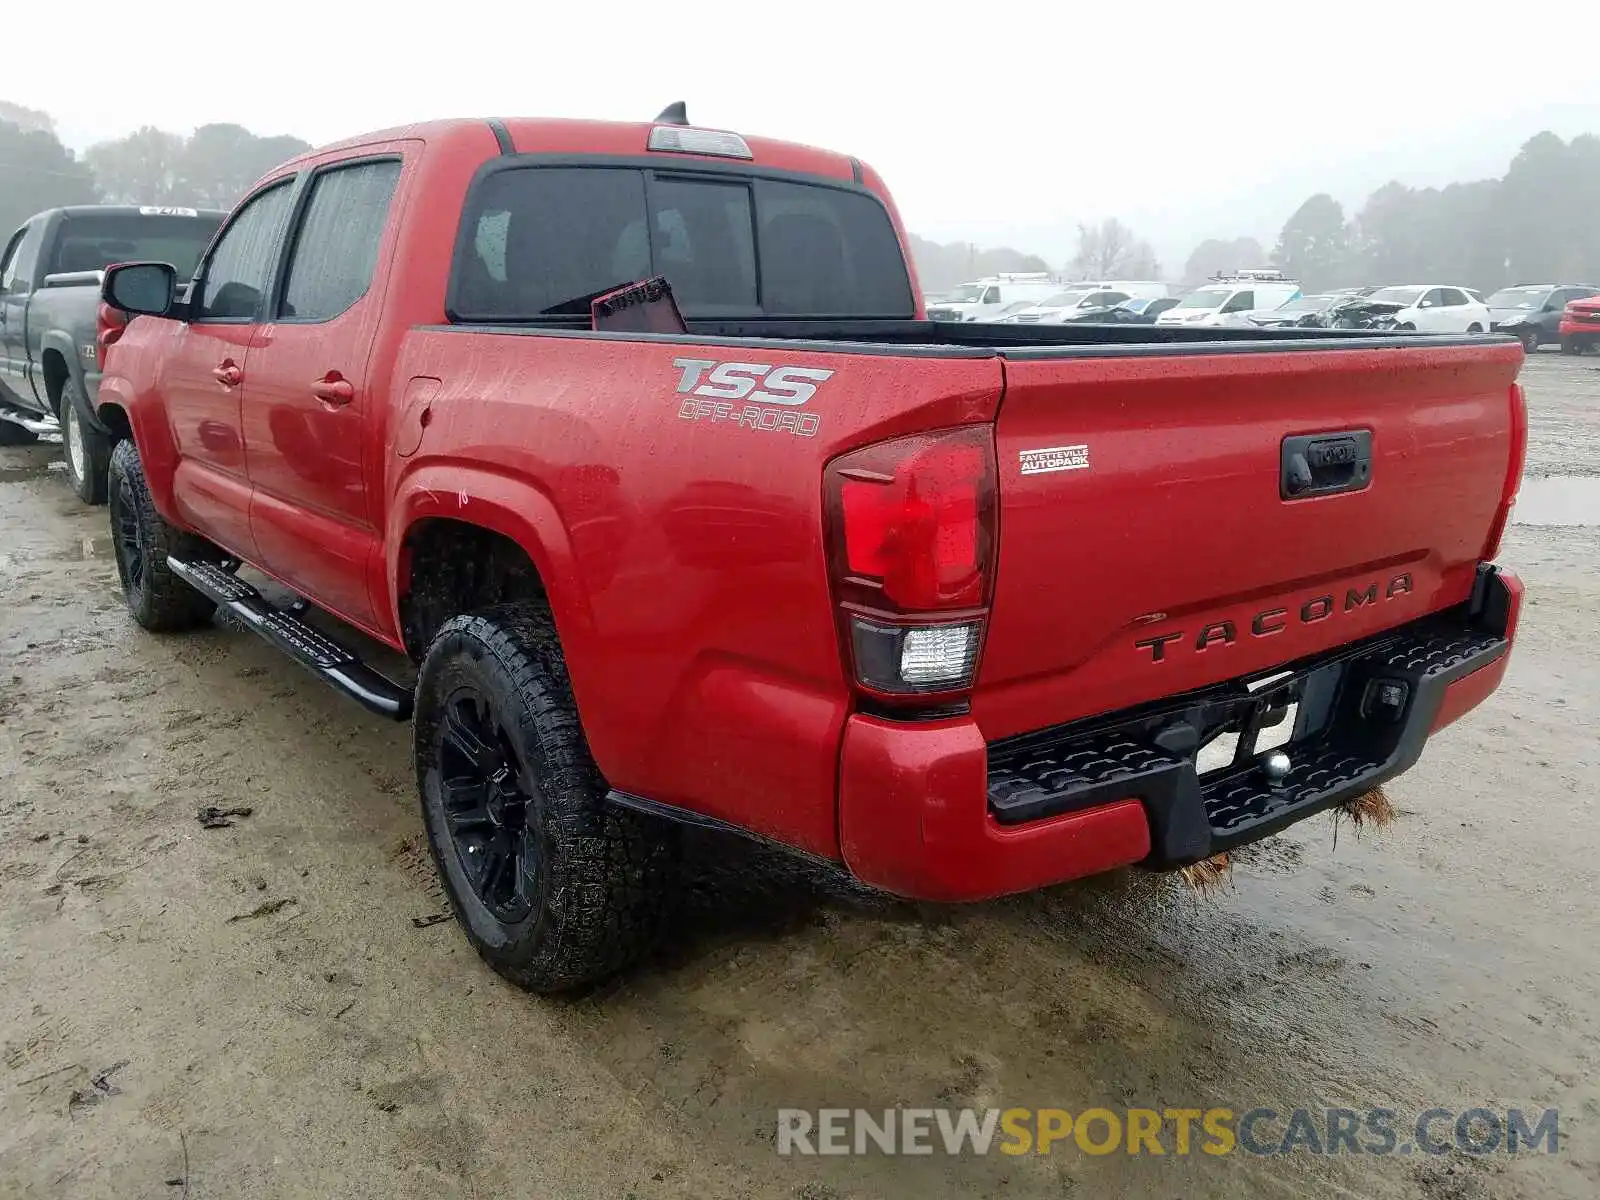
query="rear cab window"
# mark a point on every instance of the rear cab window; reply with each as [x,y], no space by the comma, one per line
[538,243]
[93,241]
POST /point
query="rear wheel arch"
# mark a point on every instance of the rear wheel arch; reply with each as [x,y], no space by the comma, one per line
[460,504]
[53,361]
[115,418]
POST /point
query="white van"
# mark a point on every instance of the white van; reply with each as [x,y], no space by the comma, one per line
[1227,301]
[985,299]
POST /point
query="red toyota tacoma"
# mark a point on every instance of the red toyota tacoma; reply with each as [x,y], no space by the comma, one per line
[968,609]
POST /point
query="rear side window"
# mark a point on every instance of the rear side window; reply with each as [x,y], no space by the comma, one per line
[541,242]
[20,267]
[94,241]
[337,246]
[240,267]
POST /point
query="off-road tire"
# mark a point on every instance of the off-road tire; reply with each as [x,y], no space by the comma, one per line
[595,878]
[158,599]
[12,434]
[93,447]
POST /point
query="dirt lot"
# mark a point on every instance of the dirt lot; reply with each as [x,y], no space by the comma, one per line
[249,1011]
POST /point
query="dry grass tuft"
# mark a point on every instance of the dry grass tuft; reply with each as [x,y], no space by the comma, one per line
[1370,808]
[1209,875]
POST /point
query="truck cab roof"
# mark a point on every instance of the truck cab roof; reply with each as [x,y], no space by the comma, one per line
[560,135]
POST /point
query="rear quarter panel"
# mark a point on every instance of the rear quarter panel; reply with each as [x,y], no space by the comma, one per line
[683,551]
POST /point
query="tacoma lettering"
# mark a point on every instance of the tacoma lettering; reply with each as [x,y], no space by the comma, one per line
[1275,620]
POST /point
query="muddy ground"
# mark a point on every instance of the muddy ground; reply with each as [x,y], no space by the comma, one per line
[250,1011]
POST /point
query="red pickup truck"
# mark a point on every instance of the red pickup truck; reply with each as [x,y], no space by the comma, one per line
[968,609]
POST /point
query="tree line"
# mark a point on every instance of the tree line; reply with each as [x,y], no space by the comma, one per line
[1106,250]
[1535,224]
[210,168]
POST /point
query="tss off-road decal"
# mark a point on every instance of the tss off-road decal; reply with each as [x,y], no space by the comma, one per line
[730,392]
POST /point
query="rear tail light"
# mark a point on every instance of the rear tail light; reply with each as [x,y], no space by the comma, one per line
[911,526]
[1513,481]
[109,324]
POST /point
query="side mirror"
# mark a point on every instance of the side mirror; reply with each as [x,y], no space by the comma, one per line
[141,289]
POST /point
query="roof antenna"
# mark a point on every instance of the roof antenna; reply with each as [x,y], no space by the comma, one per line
[676,113]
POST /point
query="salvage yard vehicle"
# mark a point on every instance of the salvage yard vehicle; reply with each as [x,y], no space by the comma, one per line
[1532,313]
[1426,308]
[989,298]
[1580,326]
[49,296]
[1229,300]
[923,600]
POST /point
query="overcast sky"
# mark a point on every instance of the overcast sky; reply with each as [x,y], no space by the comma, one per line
[991,123]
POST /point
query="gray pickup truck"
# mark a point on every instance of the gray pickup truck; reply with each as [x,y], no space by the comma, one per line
[50,276]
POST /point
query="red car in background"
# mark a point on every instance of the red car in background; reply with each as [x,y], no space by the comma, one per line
[1580,325]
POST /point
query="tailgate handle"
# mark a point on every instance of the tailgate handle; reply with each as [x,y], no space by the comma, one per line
[1320,464]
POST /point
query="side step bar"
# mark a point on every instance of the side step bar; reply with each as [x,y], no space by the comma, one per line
[33,422]
[309,647]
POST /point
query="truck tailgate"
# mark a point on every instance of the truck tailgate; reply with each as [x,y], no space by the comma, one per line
[1147,548]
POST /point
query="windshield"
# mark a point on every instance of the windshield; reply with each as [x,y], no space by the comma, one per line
[1205,298]
[1064,299]
[967,293]
[544,240]
[94,242]
[1396,295]
[1533,297]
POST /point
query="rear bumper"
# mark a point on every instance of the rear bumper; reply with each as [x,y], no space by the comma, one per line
[930,810]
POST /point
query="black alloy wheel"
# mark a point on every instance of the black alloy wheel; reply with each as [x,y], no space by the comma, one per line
[128,534]
[490,806]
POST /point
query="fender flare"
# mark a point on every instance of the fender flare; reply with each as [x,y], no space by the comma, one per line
[152,435]
[59,341]
[507,505]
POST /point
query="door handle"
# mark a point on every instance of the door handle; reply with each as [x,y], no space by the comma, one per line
[228,374]
[334,390]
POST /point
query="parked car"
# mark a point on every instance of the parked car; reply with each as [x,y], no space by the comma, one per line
[987,298]
[1580,326]
[1428,308]
[1228,302]
[1068,304]
[741,570]
[1137,311]
[1532,312]
[1148,310]
[49,295]
[1308,311]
